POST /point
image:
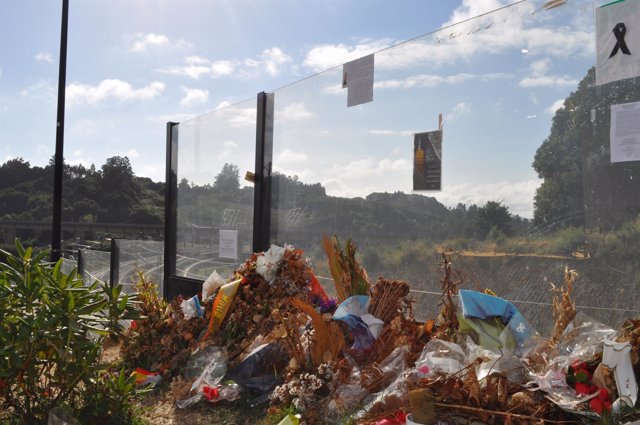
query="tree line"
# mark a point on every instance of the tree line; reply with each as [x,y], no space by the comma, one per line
[111,194]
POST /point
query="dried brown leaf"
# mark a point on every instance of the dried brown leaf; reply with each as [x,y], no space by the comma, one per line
[328,336]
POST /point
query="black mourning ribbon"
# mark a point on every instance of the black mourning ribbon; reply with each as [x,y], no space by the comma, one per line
[619,31]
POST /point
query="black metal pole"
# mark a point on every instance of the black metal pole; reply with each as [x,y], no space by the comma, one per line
[262,184]
[56,223]
[170,209]
[114,263]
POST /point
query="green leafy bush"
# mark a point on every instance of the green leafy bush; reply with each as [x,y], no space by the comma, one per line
[50,334]
[108,400]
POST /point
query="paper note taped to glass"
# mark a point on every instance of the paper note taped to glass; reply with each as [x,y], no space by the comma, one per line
[427,160]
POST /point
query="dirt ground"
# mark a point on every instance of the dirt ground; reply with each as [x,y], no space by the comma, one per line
[159,408]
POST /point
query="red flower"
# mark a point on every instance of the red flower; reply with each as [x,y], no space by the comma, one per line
[582,389]
[596,405]
[599,404]
[603,394]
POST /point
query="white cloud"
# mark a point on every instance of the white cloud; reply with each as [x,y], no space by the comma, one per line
[517,195]
[176,117]
[193,97]
[513,28]
[368,167]
[78,159]
[196,60]
[531,116]
[222,105]
[273,59]
[115,89]
[131,153]
[403,133]
[325,56]
[558,104]
[540,67]
[287,156]
[458,109]
[154,172]
[294,112]
[333,89]
[431,80]
[472,8]
[548,81]
[236,116]
[229,150]
[43,57]
[196,66]
[43,90]
[141,42]
[269,61]
[538,76]
[221,68]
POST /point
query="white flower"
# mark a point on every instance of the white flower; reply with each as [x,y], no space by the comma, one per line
[267,263]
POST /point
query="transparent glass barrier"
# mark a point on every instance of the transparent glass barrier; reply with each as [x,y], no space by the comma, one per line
[215,202]
[140,256]
[527,182]
[68,265]
[96,265]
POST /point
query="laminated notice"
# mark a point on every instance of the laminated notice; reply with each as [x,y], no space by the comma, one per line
[427,161]
[358,80]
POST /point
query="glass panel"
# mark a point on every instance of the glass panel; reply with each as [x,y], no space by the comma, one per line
[96,265]
[215,202]
[68,265]
[144,256]
[516,87]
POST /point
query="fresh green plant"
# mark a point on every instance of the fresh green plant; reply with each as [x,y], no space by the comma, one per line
[274,415]
[626,415]
[120,307]
[109,400]
[50,335]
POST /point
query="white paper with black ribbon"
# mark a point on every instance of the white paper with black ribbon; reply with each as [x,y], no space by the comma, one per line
[617,41]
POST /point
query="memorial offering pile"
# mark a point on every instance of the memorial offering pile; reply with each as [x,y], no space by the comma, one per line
[270,335]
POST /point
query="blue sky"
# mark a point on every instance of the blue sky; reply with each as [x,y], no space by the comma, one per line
[134,65]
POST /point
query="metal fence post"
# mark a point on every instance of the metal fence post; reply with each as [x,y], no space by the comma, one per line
[80,265]
[170,207]
[114,266]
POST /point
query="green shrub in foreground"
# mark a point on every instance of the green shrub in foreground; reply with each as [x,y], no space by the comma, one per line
[51,331]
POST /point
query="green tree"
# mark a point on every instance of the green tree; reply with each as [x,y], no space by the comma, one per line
[117,175]
[15,171]
[581,186]
[493,215]
[228,180]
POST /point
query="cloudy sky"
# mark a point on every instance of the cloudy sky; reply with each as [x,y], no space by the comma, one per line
[134,65]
